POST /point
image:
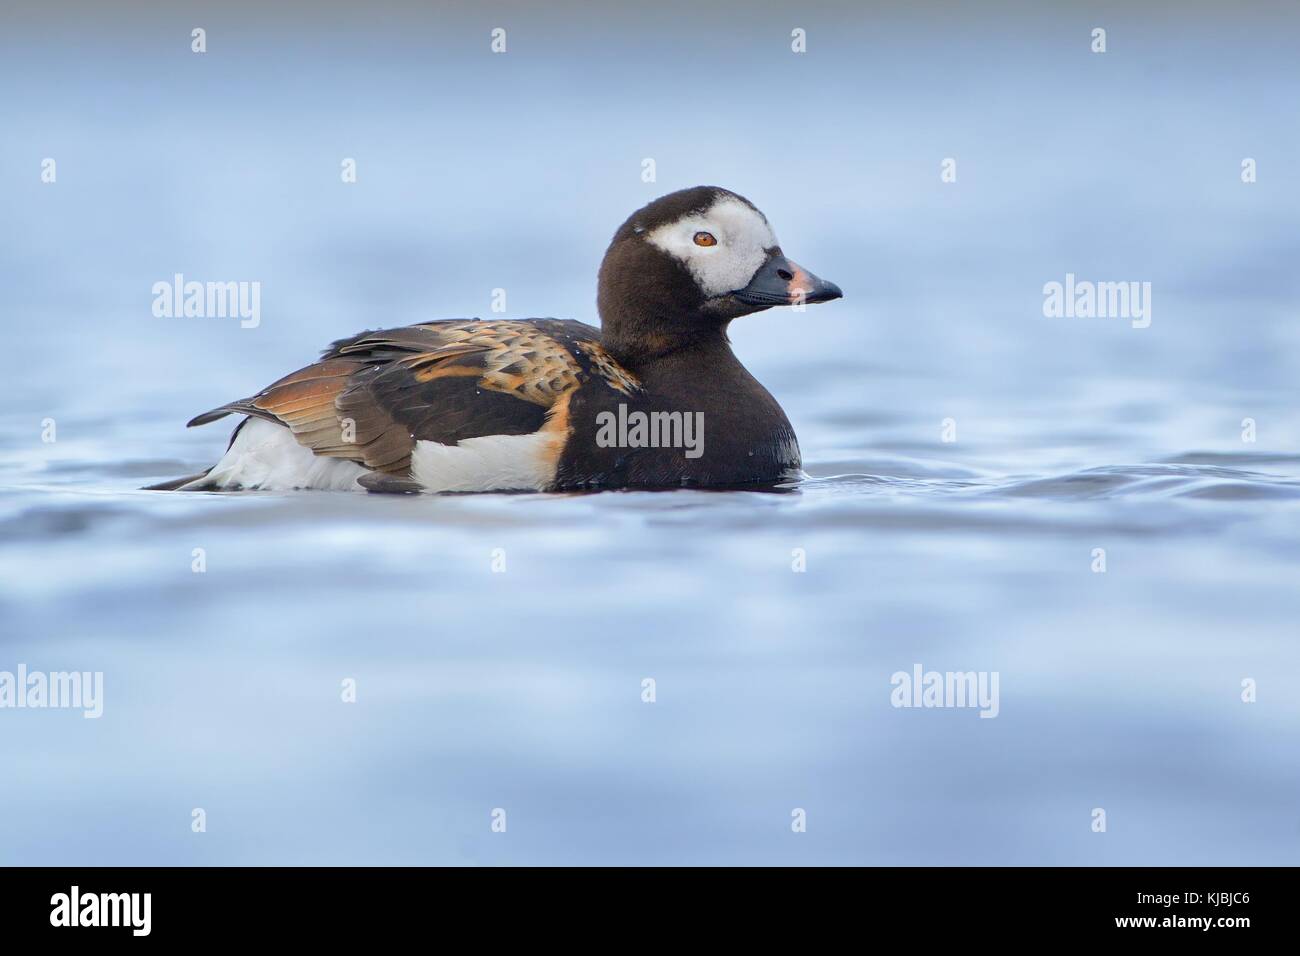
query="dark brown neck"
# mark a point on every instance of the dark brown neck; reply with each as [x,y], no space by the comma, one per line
[637,345]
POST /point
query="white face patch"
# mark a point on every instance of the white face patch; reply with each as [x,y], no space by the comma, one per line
[743,238]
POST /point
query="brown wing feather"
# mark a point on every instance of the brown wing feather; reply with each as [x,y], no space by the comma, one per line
[372,396]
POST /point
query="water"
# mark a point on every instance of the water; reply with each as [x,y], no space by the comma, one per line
[522,690]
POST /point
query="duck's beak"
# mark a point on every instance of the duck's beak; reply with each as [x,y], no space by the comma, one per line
[782,282]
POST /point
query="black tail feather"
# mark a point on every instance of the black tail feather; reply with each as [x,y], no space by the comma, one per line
[176,483]
[212,416]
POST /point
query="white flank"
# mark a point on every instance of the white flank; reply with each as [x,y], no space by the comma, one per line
[490,463]
[266,456]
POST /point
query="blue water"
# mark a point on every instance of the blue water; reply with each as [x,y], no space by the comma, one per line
[522,689]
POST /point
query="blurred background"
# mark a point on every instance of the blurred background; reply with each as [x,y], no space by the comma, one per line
[523,690]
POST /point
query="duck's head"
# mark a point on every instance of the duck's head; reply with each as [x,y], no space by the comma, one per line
[681,268]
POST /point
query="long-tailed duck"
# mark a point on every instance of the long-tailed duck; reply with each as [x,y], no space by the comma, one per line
[653,398]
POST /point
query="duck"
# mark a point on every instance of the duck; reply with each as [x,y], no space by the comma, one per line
[653,398]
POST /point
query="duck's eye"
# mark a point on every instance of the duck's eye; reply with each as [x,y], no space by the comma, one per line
[705,239]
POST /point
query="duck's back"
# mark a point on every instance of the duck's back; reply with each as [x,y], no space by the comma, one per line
[455,405]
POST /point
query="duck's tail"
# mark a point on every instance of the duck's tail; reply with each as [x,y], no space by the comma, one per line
[199,482]
[188,483]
